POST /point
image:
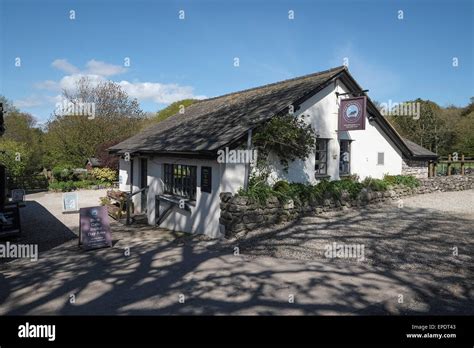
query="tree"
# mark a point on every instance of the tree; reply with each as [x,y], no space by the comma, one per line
[172,109]
[73,137]
[21,127]
[106,159]
[14,156]
[441,130]
[8,105]
[424,130]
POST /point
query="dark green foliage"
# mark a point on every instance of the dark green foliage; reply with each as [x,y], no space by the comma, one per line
[172,109]
[260,191]
[406,180]
[353,187]
[375,184]
[441,130]
[287,136]
[67,186]
[281,186]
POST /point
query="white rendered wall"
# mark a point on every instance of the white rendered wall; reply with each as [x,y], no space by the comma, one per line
[124,178]
[205,211]
[322,113]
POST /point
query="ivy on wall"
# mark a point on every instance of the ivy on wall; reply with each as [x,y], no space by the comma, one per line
[288,137]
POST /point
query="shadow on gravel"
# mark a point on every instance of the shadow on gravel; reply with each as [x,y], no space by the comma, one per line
[40,227]
[408,248]
[413,247]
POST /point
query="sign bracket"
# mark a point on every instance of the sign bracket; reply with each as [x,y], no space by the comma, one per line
[356,93]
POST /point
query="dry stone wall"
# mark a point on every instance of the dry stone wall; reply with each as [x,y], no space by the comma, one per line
[240,214]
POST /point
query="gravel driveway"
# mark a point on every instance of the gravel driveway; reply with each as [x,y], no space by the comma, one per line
[43,222]
[409,267]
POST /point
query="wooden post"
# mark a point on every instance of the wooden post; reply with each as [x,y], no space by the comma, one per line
[449,165]
[435,168]
[430,169]
[462,164]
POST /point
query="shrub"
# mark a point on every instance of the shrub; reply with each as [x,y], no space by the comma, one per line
[406,180]
[328,189]
[353,187]
[64,173]
[104,175]
[375,184]
[281,186]
[304,193]
[105,200]
[84,184]
[63,186]
[66,186]
[260,192]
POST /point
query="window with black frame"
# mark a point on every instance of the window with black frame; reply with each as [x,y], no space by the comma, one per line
[180,180]
[321,160]
[345,157]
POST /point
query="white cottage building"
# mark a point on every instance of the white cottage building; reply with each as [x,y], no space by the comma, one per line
[177,158]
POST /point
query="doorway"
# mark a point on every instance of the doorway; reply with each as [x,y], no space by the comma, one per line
[143,183]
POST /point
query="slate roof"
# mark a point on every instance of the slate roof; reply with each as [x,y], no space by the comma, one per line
[94,162]
[213,123]
[417,150]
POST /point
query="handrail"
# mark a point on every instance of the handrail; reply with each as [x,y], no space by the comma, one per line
[134,193]
[129,196]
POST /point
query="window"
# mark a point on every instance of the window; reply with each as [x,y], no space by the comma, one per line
[345,157]
[380,158]
[206,179]
[321,162]
[180,180]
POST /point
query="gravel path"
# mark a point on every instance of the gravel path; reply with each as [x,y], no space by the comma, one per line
[402,237]
[44,223]
[409,267]
[430,239]
[448,202]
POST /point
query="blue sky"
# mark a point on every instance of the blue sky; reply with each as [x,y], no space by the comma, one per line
[170,58]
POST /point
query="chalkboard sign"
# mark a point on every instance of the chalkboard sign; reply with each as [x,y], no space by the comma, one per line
[70,202]
[94,228]
[206,179]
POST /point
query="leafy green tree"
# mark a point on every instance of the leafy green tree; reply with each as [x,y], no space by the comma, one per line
[21,127]
[73,138]
[14,156]
[8,105]
[172,109]
[441,130]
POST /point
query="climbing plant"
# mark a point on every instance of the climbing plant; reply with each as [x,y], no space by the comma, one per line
[288,137]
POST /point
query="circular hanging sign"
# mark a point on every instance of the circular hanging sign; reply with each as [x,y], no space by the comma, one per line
[352,111]
[352,114]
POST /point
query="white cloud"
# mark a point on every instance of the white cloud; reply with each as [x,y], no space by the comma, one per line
[69,82]
[96,67]
[96,72]
[64,65]
[93,67]
[48,85]
[30,101]
[158,92]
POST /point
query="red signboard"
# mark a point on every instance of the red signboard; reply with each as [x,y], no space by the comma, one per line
[352,114]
